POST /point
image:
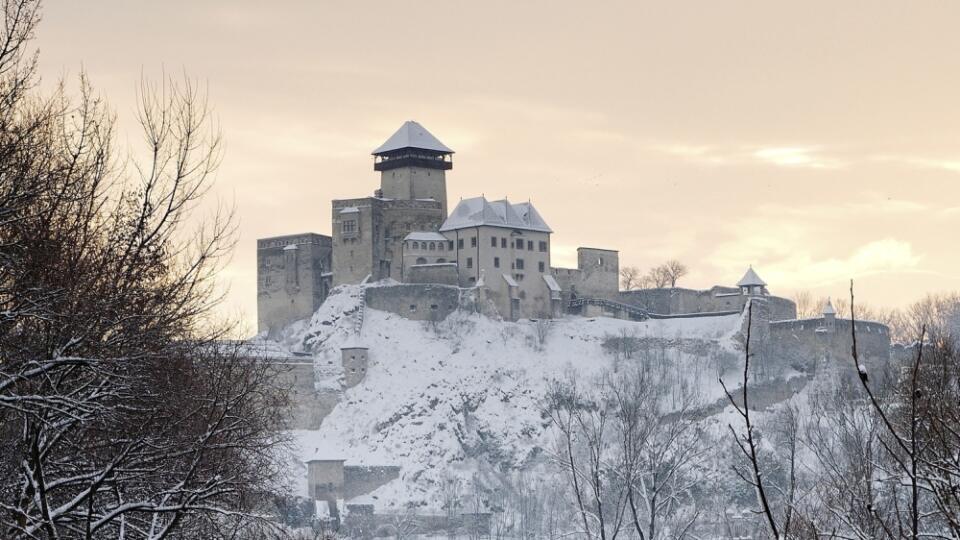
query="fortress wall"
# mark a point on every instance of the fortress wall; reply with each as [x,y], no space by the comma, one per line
[781,308]
[678,300]
[418,302]
[443,274]
[808,341]
[360,480]
[308,407]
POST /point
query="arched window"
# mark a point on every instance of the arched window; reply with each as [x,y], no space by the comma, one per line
[416,245]
[421,260]
[441,260]
[433,246]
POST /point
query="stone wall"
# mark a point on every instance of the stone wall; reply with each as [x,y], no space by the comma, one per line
[597,275]
[308,406]
[361,479]
[677,300]
[373,246]
[419,302]
[441,273]
[290,282]
[810,342]
[415,183]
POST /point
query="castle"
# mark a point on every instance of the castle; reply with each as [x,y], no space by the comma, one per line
[493,257]
[402,235]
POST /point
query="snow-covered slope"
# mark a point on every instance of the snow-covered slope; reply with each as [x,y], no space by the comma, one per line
[438,399]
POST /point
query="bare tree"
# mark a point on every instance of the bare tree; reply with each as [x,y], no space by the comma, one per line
[630,278]
[748,443]
[121,415]
[583,420]
[657,448]
[808,307]
[674,270]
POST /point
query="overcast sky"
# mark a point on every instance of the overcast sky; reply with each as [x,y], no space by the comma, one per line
[817,141]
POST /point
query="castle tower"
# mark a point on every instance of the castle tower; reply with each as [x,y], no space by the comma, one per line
[413,165]
[829,315]
[354,357]
[751,284]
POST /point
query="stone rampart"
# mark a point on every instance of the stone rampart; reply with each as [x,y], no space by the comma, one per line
[361,479]
[418,302]
[439,273]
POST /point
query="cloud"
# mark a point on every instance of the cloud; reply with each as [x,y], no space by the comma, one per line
[943,164]
[780,156]
[794,156]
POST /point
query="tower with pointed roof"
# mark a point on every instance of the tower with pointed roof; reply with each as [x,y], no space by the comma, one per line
[751,284]
[413,164]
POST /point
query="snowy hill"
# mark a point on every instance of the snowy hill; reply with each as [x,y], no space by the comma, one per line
[448,398]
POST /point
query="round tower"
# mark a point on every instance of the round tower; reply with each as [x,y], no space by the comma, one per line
[413,165]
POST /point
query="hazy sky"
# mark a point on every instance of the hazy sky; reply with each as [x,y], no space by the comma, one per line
[817,141]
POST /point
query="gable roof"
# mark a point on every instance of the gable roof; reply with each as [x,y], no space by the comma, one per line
[412,135]
[750,279]
[828,308]
[478,211]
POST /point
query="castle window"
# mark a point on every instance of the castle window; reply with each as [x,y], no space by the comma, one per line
[421,260]
[441,260]
[496,262]
[450,245]
[348,226]
[519,243]
[493,241]
[439,246]
[434,307]
[473,241]
[529,245]
[433,246]
[541,266]
[459,243]
[413,307]
[416,245]
[543,247]
[469,262]
[503,242]
[472,279]
[519,264]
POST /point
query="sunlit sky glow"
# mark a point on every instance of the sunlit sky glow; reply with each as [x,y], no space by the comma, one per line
[817,141]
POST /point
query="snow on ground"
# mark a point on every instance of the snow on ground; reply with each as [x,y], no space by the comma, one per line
[439,397]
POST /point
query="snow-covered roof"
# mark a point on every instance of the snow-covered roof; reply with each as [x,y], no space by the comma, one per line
[478,211]
[412,135]
[828,308]
[751,279]
[552,283]
[509,279]
[350,210]
[426,236]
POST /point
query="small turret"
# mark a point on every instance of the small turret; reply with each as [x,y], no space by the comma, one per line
[829,315]
[751,284]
